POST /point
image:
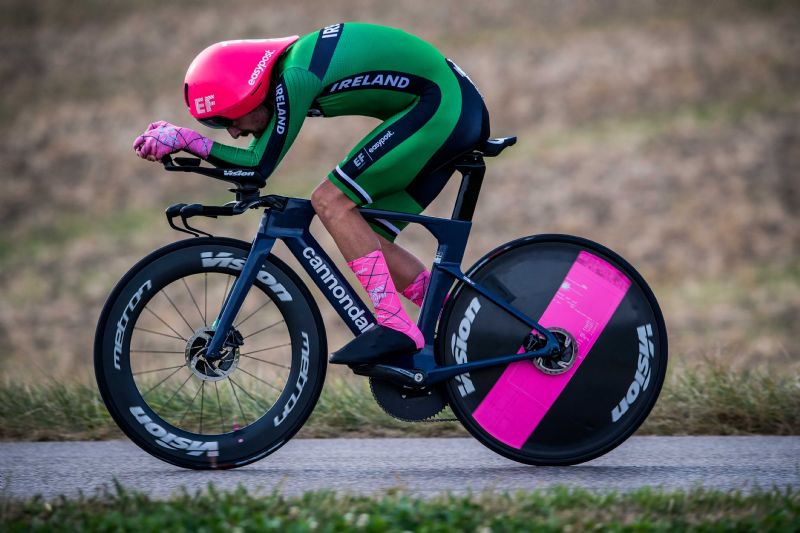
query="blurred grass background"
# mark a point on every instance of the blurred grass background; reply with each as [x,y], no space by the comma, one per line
[558,508]
[667,131]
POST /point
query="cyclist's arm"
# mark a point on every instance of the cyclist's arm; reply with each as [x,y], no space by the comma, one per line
[294,93]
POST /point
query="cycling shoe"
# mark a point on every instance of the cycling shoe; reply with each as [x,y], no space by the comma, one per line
[374,346]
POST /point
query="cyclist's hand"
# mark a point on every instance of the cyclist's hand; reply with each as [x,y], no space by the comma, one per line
[162,138]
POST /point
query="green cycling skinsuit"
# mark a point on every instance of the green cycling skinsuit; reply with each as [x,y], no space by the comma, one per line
[431,114]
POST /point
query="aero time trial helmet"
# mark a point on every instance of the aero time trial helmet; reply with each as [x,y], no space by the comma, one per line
[227,80]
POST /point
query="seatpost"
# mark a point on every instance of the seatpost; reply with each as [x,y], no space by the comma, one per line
[472,169]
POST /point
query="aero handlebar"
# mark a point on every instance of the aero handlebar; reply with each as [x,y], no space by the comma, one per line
[246,179]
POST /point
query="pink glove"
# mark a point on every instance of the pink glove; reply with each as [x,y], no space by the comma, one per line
[162,138]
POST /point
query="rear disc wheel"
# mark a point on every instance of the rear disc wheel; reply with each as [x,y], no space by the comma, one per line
[576,406]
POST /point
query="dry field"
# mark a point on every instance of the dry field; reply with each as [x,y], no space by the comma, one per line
[667,131]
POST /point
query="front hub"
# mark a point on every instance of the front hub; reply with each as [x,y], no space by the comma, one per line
[219,368]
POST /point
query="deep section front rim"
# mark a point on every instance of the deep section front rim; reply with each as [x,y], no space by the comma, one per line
[163,309]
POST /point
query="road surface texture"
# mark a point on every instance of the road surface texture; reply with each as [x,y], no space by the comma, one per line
[423,467]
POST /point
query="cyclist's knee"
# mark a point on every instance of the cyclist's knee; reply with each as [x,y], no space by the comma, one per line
[329,202]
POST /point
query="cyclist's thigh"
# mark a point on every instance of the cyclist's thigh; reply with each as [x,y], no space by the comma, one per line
[390,156]
[389,182]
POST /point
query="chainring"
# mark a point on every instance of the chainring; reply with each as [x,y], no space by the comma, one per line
[405,404]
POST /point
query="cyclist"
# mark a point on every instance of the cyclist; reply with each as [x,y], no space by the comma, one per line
[431,114]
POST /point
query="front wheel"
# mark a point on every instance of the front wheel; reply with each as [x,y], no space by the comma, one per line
[197,413]
[570,409]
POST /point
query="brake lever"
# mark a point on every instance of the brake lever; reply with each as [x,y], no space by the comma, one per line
[174,211]
[188,211]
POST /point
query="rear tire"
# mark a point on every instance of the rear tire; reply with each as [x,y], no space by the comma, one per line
[523,412]
[198,414]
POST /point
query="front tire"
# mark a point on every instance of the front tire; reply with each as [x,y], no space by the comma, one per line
[202,414]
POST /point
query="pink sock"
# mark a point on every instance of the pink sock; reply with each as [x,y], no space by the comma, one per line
[417,289]
[373,273]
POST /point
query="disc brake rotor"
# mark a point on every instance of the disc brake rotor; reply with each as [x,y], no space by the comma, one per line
[561,363]
[206,369]
[405,404]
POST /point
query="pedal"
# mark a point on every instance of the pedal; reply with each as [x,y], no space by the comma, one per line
[409,378]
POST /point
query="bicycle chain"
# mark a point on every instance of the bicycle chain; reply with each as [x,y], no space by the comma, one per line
[435,420]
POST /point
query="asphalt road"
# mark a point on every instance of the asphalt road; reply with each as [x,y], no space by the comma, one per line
[420,466]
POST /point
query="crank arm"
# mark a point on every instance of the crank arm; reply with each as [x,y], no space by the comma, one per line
[409,378]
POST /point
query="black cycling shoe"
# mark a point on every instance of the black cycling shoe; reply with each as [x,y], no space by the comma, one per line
[374,346]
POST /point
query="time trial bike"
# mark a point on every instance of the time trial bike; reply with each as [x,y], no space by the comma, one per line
[211,352]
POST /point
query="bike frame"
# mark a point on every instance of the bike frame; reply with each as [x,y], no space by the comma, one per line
[290,223]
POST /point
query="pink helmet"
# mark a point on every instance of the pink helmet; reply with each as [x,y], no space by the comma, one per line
[227,80]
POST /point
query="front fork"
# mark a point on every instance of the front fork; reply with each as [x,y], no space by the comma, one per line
[262,245]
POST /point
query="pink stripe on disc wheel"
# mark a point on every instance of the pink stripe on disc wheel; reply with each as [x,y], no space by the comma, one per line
[583,305]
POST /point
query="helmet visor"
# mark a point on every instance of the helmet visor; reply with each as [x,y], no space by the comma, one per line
[217,123]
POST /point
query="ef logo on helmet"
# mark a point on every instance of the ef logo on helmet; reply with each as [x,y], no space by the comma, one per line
[204,104]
